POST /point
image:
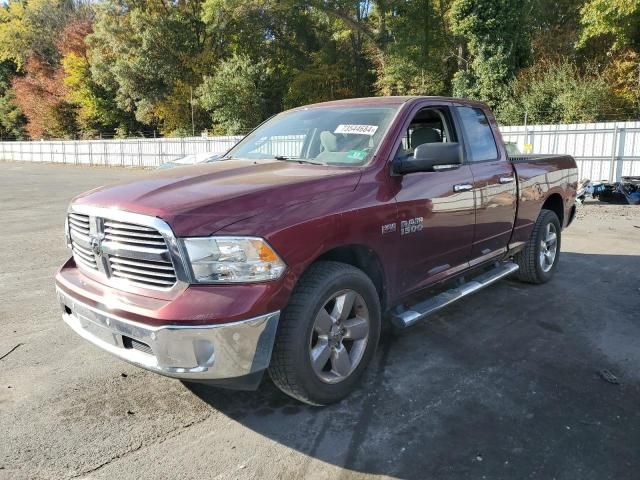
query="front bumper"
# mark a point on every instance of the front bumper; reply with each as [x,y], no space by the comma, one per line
[194,352]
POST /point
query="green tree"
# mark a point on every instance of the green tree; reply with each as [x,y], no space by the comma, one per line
[494,40]
[236,95]
[619,20]
[617,24]
[555,29]
[417,51]
[557,93]
[12,121]
[305,50]
[140,51]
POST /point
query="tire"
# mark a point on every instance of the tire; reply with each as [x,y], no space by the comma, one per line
[305,331]
[535,266]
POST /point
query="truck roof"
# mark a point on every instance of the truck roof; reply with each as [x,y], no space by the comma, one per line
[388,100]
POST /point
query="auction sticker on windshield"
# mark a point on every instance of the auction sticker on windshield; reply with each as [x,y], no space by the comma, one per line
[357,129]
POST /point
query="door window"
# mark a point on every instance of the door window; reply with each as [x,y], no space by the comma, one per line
[478,132]
[430,125]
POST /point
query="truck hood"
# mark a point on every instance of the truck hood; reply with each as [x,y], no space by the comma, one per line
[202,199]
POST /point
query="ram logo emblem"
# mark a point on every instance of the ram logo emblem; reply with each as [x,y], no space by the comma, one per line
[96,245]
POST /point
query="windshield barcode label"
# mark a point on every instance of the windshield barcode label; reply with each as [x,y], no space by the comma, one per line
[357,129]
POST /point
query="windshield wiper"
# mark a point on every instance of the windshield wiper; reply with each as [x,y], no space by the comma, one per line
[296,159]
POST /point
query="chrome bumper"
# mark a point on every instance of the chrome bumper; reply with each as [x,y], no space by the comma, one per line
[206,352]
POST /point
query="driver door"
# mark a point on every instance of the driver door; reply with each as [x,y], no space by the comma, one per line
[436,210]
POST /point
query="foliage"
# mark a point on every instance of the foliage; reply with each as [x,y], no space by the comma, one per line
[617,24]
[40,95]
[93,107]
[12,121]
[31,29]
[417,59]
[617,19]
[318,82]
[140,50]
[496,38]
[123,67]
[556,93]
[623,79]
[236,94]
[555,28]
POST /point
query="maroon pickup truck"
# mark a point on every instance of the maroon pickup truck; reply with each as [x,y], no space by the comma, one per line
[289,253]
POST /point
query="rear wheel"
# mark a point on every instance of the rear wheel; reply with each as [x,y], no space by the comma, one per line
[539,259]
[327,334]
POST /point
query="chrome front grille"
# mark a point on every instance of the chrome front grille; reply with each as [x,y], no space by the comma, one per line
[79,223]
[138,253]
[131,234]
[149,272]
[80,230]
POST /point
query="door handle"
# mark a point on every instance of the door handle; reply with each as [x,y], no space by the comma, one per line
[506,179]
[462,187]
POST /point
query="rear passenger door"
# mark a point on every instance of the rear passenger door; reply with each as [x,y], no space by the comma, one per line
[494,183]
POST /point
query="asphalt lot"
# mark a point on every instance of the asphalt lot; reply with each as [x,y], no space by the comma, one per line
[507,384]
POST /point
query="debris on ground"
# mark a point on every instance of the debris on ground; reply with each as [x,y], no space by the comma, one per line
[11,351]
[625,192]
[607,376]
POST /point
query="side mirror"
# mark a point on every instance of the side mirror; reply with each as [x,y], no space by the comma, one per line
[428,156]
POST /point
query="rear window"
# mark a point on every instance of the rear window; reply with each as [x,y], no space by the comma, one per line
[478,133]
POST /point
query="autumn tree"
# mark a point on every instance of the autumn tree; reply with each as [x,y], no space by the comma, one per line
[31,29]
[617,22]
[72,68]
[40,95]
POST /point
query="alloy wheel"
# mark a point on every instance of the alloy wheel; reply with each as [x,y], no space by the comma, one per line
[548,247]
[339,336]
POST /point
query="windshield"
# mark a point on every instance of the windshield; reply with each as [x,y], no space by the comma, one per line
[324,135]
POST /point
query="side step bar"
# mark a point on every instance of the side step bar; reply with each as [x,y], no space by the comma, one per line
[412,315]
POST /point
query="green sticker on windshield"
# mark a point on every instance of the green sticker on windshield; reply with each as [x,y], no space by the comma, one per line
[357,154]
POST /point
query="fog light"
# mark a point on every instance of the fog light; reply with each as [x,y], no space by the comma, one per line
[204,353]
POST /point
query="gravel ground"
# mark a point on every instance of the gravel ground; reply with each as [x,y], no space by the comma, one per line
[517,381]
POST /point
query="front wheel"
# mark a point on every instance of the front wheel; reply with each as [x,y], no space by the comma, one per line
[327,334]
[539,259]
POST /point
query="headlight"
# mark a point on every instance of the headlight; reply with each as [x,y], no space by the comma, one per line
[232,260]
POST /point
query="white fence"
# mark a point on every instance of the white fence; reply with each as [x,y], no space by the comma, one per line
[143,152]
[603,151]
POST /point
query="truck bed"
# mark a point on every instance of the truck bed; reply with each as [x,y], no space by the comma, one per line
[549,180]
